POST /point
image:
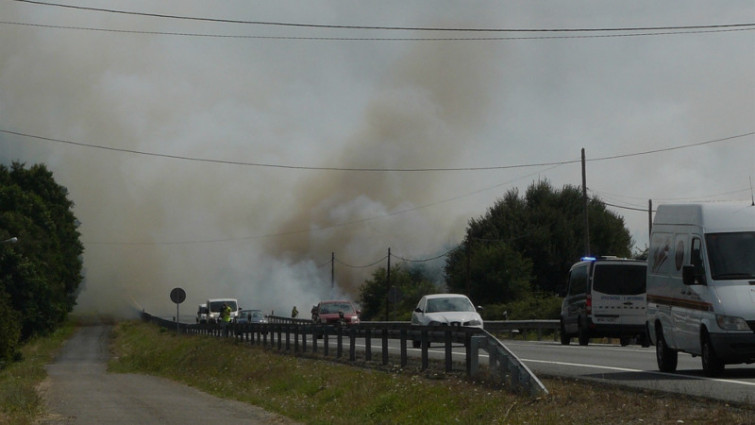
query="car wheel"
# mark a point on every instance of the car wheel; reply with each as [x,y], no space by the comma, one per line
[712,364]
[584,337]
[625,340]
[416,344]
[666,357]
[565,339]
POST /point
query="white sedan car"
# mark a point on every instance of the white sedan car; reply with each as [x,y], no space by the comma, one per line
[445,309]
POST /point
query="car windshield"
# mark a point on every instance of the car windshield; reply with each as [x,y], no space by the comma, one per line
[330,308]
[257,315]
[435,305]
[731,255]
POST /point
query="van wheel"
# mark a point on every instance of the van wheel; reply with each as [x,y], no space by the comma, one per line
[565,339]
[667,358]
[712,364]
[583,336]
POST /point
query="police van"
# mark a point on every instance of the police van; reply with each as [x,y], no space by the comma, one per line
[701,284]
[605,297]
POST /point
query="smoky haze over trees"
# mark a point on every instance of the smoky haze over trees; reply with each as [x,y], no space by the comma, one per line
[516,257]
[41,273]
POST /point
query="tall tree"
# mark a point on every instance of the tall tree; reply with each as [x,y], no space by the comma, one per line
[534,238]
[40,274]
[408,286]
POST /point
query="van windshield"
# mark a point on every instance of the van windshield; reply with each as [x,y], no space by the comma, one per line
[731,255]
[215,306]
[619,279]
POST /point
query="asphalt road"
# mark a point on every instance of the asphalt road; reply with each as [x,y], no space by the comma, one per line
[80,391]
[636,367]
[632,366]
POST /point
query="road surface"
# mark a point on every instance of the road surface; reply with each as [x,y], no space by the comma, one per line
[80,391]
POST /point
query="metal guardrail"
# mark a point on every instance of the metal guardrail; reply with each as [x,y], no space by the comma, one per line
[302,336]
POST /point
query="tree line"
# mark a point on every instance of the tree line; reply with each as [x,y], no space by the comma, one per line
[514,260]
[41,272]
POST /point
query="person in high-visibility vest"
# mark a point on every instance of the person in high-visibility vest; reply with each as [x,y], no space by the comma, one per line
[225,314]
[225,318]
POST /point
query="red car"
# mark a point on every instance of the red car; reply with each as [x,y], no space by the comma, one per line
[337,311]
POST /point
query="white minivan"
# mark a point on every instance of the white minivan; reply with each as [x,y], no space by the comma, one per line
[605,297]
[701,284]
[214,305]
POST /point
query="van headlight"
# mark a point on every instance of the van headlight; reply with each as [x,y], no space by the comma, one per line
[732,323]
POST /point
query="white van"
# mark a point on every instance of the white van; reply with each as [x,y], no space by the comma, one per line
[701,284]
[605,297]
[215,304]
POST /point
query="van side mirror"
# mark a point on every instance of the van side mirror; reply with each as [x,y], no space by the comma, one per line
[691,275]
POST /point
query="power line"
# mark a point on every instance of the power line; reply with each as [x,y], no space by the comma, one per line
[389,28]
[371,169]
[284,166]
[313,38]
[361,267]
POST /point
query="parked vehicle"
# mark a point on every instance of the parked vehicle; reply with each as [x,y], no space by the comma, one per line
[202,314]
[605,297]
[250,316]
[445,310]
[214,305]
[701,285]
[336,312]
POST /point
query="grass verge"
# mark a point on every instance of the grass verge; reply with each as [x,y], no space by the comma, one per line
[20,402]
[325,392]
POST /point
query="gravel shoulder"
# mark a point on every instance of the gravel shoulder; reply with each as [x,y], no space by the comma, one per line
[79,390]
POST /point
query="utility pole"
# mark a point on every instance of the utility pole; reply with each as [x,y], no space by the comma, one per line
[332,269]
[388,287]
[584,198]
[650,217]
[469,264]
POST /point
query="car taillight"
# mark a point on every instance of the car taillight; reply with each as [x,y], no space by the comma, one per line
[588,304]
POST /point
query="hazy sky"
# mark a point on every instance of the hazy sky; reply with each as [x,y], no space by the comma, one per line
[232,158]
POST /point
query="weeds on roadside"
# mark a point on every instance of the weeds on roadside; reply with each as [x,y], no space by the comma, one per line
[326,392]
[20,399]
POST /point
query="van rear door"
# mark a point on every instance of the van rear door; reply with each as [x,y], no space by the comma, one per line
[619,293]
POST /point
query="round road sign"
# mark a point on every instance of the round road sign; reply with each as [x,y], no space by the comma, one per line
[177,295]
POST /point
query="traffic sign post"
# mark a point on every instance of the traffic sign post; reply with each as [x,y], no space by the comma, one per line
[178,295]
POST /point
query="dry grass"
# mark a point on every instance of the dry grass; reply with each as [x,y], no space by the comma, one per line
[20,402]
[325,392]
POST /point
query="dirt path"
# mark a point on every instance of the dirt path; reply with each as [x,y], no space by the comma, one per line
[80,391]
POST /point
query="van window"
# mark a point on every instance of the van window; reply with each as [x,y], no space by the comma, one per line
[578,280]
[619,279]
[731,255]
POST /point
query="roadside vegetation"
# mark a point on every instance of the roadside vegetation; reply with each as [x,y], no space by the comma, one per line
[513,261]
[326,392]
[20,392]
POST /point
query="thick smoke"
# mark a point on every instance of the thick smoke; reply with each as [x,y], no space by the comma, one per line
[262,235]
[265,234]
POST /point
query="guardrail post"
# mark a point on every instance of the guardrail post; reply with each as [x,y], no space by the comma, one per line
[404,356]
[385,346]
[339,342]
[368,344]
[449,351]
[352,344]
[425,345]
